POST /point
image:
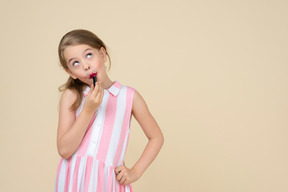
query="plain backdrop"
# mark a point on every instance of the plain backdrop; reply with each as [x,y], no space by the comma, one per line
[213,73]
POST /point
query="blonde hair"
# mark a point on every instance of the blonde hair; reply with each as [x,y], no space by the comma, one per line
[77,37]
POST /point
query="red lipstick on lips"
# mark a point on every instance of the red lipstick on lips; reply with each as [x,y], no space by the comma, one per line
[93,75]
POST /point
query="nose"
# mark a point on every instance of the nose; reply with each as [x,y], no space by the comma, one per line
[86,66]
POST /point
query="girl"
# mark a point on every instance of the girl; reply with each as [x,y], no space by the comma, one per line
[93,129]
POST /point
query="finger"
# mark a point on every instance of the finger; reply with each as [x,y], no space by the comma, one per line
[126,182]
[96,89]
[117,170]
[102,95]
[90,90]
[119,176]
[122,181]
[99,95]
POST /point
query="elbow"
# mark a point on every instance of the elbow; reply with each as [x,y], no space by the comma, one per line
[158,139]
[161,139]
[64,153]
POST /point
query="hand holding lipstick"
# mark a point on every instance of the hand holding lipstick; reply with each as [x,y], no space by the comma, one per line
[94,98]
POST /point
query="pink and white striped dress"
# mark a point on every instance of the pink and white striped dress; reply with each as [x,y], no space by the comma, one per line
[91,167]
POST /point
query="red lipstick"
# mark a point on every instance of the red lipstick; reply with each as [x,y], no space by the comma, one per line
[93,75]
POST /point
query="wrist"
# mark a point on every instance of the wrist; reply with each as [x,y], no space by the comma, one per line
[87,113]
[137,172]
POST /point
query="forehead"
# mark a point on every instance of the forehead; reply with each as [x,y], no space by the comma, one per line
[75,51]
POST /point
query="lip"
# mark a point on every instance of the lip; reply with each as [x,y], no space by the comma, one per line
[93,75]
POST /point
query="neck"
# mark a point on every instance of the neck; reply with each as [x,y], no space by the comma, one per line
[106,83]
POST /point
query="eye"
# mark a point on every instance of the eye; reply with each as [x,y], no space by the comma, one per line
[89,55]
[75,63]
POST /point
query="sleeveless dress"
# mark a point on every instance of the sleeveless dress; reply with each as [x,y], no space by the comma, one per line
[91,167]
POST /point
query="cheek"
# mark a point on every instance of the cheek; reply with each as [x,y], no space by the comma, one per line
[99,63]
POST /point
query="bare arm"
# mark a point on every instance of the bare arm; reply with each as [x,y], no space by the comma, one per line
[70,131]
[152,131]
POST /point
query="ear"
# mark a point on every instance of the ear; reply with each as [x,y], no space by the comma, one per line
[103,53]
[70,73]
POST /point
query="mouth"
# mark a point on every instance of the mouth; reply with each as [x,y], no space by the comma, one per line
[93,75]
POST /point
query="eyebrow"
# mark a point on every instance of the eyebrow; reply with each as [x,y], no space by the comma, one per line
[83,52]
[71,59]
[88,49]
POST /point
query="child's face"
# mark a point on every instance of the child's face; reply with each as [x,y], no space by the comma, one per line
[82,60]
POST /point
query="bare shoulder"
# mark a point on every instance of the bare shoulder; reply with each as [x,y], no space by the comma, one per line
[68,96]
[69,93]
[66,115]
[137,96]
[139,104]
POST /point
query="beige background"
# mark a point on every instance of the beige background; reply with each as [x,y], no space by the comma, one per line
[214,74]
